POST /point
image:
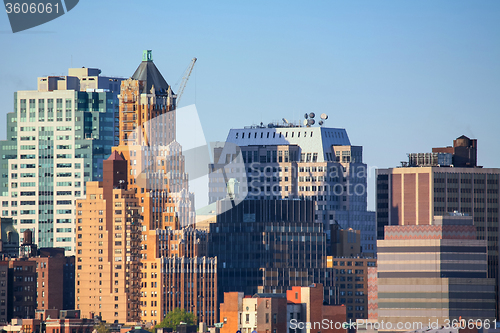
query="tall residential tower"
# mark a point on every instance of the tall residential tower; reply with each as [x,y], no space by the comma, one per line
[57,138]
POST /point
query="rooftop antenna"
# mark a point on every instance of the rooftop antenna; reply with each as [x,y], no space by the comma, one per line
[309,119]
[323,117]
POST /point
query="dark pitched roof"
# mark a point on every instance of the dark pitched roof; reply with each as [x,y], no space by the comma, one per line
[148,72]
[115,157]
[463,137]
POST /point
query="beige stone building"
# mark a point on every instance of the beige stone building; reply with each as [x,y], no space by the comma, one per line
[143,214]
[108,248]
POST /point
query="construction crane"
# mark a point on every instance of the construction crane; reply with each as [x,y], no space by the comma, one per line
[184,81]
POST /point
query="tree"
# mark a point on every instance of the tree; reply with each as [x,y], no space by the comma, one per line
[101,328]
[175,317]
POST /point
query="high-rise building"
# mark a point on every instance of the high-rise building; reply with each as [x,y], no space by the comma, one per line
[268,246]
[434,274]
[142,212]
[290,161]
[57,138]
[108,247]
[414,195]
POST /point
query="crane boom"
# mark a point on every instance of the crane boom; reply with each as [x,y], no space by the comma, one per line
[184,81]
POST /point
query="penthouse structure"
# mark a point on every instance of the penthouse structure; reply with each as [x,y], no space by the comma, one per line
[57,138]
[287,161]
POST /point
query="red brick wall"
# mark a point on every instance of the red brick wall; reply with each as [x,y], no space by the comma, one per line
[336,315]
[423,199]
[410,199]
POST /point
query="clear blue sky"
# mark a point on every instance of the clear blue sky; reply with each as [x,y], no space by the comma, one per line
[400,76]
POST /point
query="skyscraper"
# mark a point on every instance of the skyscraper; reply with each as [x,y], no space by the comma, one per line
[57,138]
[414,195]
[269,246]
[283,160]
[108,247]
[142,213]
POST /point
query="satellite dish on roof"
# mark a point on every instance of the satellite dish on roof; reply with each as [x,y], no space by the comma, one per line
[305,122]
[312,115]
[310,122]
[306,116]
[285,121]
[324,116]
[320,123]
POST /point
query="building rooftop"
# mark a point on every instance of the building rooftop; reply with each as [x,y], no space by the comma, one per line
[115,156]
[309,139]
[148,72]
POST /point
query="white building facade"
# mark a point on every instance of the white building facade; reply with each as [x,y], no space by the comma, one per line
[59,135]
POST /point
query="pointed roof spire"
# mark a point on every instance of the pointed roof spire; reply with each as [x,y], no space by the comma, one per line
[115,156]
[148,72]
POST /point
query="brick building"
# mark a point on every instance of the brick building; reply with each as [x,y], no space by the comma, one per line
[141,215]
[276,313]
[415,195]
[22,288]
[108,247]
[50,270]
[351,275]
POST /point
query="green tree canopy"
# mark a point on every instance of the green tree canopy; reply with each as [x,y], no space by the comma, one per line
[101,328]
[175,317]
